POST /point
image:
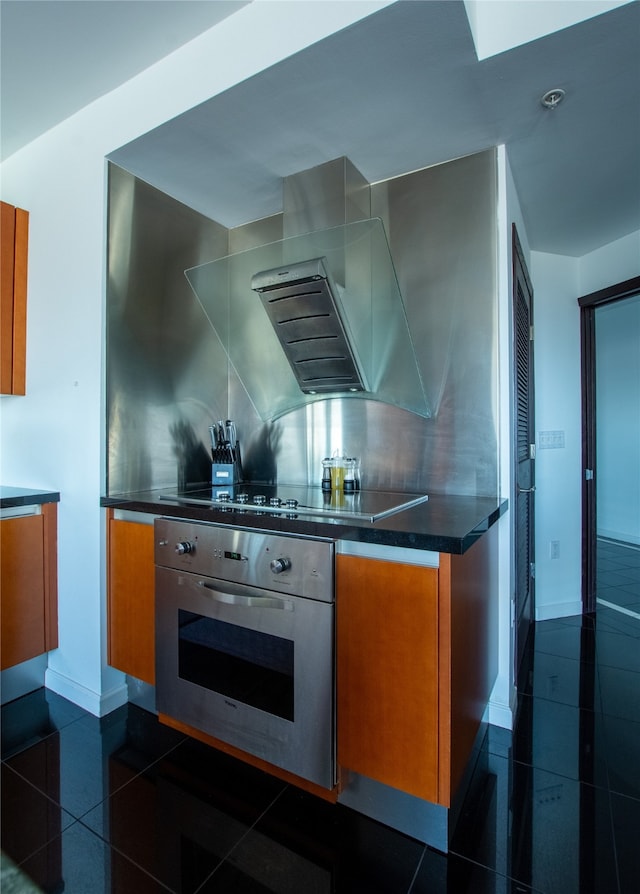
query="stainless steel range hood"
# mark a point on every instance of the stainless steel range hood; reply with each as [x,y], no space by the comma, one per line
[301,302]
[369,305]
[347,335]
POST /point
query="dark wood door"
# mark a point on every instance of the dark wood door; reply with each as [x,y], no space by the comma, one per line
[524,450]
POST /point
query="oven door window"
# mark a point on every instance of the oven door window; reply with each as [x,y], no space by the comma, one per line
[244,665]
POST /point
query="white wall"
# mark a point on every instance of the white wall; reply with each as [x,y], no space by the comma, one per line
[53,437]
[618,420]
[558,282]
[610,264]
[558,409]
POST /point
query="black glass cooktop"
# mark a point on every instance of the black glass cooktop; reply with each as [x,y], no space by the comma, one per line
[294,500]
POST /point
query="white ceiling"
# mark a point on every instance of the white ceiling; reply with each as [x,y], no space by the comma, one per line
[400,90]
[56,56]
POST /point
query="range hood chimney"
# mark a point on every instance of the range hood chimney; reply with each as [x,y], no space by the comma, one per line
[329,319]
[300,301]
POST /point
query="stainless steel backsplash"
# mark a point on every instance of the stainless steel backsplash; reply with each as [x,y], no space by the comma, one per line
[168,376]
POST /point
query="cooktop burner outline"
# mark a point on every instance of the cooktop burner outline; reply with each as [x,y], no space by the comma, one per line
[293,501]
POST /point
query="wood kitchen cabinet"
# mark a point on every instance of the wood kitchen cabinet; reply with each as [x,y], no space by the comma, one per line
[387,648]
[28,586]
[131,600]
[14,233]
[416,661]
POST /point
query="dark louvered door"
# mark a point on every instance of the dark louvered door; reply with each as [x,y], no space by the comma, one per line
[524,451]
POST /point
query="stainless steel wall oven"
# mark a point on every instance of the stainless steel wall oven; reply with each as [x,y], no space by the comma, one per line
[245,641]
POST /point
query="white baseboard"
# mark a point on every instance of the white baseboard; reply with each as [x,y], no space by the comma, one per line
[558,610]
[498,713]
[96,703]
[619,536]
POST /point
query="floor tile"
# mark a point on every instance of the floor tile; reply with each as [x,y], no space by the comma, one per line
[611,563]
[562,679]
[565,641]
[618,595]
[30,719]
[499,741]
[181,816]
[620,692]
[616,622]
[80,750]
[304,844]
[29,819]
[547,814]
[631,571]
[81,863]
[631,558]
[626,825]
[455,875]
[622,750]
[616,649]
[562,739]
[614,579]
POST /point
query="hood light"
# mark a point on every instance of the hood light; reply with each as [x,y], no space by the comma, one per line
[552,98]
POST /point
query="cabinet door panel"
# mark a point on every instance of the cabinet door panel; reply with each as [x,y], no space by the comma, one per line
[14,232]
[387,667]
[22,589]
[7,253]
[131,599]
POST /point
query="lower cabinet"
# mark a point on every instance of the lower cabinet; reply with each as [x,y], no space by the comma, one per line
[387,673]
[416,663]
[28,586]
[131,601]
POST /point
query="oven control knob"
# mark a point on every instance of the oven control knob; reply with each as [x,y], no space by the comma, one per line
[184,547]
[280,565]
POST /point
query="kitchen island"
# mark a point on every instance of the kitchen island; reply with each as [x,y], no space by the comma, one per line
[415,651]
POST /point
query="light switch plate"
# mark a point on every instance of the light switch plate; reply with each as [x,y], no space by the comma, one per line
[548,440]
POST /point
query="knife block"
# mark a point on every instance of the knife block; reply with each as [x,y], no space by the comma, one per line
[224,474]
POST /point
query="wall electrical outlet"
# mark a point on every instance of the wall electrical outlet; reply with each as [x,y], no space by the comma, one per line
[554,549]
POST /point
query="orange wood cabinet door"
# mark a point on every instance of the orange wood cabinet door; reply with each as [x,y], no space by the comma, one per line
[131,599]
[14,233]
[387,673]
[28,586]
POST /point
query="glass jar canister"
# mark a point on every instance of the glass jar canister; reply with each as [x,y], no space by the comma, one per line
[337,473]
[349,475]
[327,463]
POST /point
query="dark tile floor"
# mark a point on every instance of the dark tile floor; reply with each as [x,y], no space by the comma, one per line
[123,804]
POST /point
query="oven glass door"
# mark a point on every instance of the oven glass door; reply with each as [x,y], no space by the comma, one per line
[250,667]
[245,665]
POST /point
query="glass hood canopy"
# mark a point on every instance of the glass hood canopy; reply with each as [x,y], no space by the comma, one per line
[357,259]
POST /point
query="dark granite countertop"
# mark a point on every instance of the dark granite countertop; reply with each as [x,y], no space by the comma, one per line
[25,496]
[447,524]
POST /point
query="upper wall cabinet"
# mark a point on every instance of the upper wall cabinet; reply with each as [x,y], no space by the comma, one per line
[14,229]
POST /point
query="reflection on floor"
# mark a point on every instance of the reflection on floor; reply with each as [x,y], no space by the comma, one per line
[124,804]
[618,581]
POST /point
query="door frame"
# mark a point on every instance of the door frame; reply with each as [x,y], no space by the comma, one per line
[523,465]
[588,306]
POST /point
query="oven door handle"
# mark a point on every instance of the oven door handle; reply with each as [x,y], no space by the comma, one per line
[245,601]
